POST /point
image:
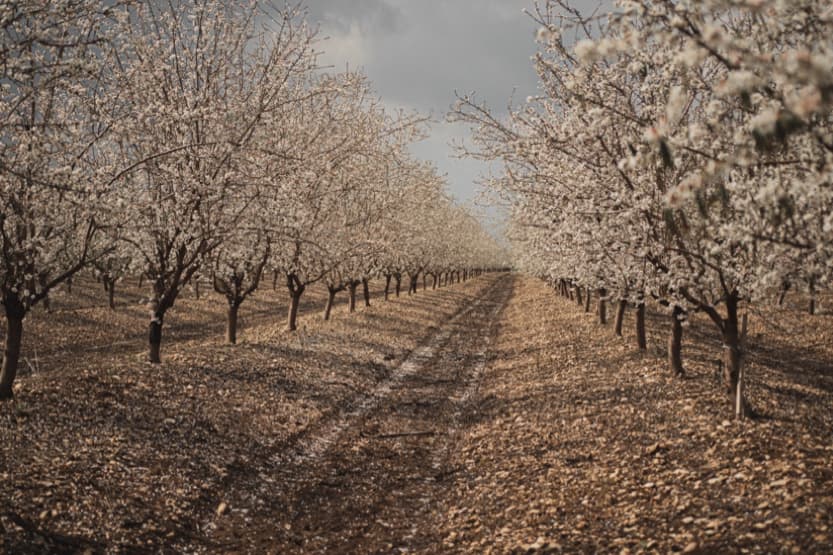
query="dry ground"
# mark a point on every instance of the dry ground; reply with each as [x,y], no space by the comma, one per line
[577,443]
[490,416]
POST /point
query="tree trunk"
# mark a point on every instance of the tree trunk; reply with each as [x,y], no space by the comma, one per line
[111,291]
[587,299]
[294,302]
[579,299]
[602,308]
[620,317]
[641,340]
[366,292]
[412,286]
[331,297]
[387,285]
[351,290]
[398,278]
[11,350]
[141,280]
[197,289]
[275,280]
[811,309]
[675,342]
[69,285]
[425,281]
[231,322]
[433,282]
[155,339]
[785,286]
[732,358]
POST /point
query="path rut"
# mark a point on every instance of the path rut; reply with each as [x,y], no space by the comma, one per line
[372,479]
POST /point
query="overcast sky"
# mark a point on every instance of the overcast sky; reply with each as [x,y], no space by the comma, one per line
[418,52]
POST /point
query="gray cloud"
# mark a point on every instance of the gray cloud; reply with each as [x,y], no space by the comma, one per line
[418,52]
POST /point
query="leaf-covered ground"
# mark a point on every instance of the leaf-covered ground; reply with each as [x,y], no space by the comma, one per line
[489,416]
[577,443]
[103,451]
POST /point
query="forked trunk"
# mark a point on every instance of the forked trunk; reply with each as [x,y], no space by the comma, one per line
[366,292]
[11,348]
[675,342]
[231,322]
[296,289]
[587,299]
[387,285]
[331,297]
[602,309]
[351,293]
[641,340]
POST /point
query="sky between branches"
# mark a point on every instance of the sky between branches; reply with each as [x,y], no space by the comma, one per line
[418,52]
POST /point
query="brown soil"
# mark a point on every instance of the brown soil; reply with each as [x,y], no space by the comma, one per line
[489,416]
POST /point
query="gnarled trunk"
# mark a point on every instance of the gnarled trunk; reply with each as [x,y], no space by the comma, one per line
[296,289]
[675,342]
[620,317]
[412,286]
[602,308]
[398,278]
[231,322]
[11,349]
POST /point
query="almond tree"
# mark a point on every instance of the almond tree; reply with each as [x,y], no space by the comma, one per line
[659,159]
[53,180]
[200,78]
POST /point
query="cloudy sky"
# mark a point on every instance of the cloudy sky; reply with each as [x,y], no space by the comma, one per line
[418,52]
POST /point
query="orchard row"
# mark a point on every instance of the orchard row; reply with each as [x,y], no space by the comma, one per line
[679,151]
[200,138]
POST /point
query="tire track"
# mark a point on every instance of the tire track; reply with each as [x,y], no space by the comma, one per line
[354,451]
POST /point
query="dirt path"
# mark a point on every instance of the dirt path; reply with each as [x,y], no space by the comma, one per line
[370,481]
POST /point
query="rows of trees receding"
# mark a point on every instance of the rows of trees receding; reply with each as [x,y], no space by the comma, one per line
[198,140]
[679,151]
